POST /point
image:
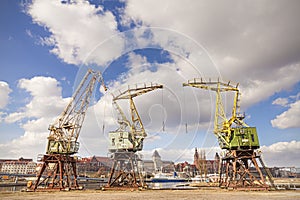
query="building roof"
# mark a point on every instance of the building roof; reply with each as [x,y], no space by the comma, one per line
[156,154]
[100,159]
[104,160]
[163,161]
[16,160]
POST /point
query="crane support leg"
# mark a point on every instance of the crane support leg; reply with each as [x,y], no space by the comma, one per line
[240,170]
[58,172]
[125,171]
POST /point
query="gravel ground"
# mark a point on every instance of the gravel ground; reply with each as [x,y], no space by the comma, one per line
[153,194]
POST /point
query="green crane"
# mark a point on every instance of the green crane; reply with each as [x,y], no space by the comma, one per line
[239,167]
[232,132]
[130,134]
[128,139]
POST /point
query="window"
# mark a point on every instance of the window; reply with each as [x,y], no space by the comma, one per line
[252,137]
[113,141]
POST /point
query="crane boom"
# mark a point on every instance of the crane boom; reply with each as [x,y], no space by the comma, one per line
[65,130]
[122,120]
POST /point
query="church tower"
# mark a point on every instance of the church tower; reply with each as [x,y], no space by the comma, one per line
[157,161]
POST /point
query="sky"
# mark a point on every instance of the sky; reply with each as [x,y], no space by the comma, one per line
[46,47]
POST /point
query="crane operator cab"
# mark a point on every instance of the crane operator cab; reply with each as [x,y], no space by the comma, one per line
[124,140]
[240,138]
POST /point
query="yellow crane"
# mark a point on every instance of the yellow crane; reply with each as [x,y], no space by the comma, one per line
[130,134]
[238,139]
[58,162]
[128,138]
[232,132]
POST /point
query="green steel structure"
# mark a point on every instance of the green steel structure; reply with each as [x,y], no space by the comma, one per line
[130,134]
[128,139]
[239,168]
[232,133]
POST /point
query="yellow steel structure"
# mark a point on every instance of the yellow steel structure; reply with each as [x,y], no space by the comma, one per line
[127,140]
[62,140]
[130,133]
[239,167]
[233,132]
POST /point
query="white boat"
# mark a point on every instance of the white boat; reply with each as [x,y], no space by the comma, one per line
[199,178]
[33,178]
[164,177]
[209,178]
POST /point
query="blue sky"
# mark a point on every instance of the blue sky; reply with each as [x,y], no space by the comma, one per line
[47,46]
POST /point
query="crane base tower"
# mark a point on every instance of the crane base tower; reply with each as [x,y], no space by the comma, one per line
[125,171]
[59,171]
[239,169]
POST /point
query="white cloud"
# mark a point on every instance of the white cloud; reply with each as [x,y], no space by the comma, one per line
[78,31]
[36,86]
[2,116]
[99,120]
[297,96]
[46,97]
[154,107]
[281,102]
[245,39]
[4,93]
[28,32]
[282,154]
[14,117]
[44,106]
[256,89]
[174,95]
[28,145]
[94,141]
[243,49]
[289,118]
[150,113]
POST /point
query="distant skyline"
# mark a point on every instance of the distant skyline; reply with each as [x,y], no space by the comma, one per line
[47,46]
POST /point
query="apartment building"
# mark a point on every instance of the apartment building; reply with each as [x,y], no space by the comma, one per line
[19,166]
